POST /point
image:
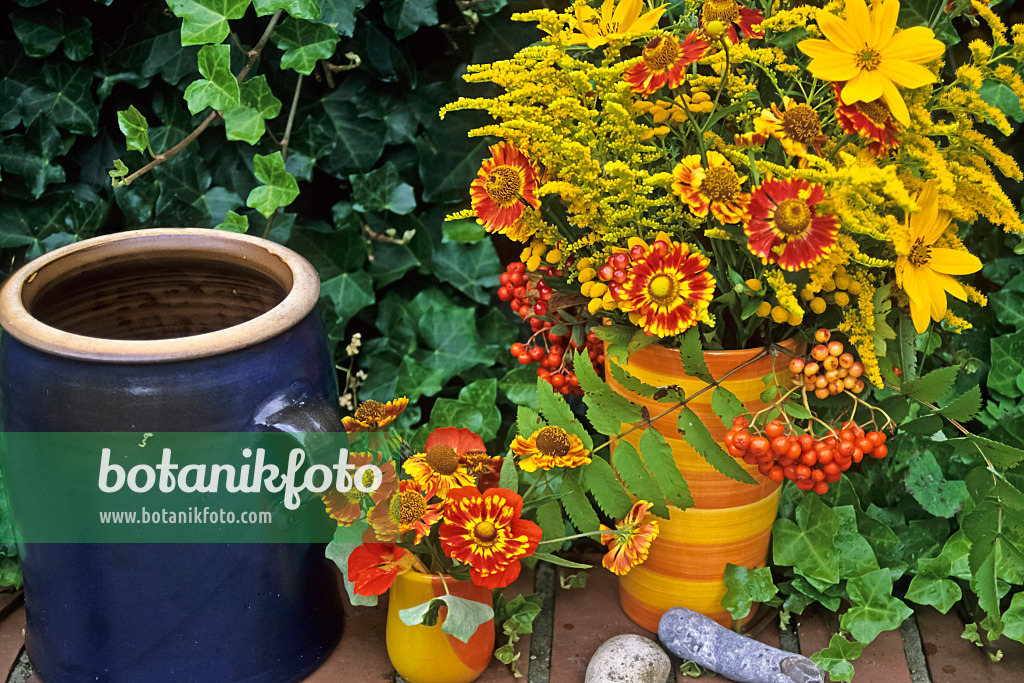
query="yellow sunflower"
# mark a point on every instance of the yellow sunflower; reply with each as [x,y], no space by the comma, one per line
[614,22]
[925,271]
[370,416]
[716,188]
[550,447]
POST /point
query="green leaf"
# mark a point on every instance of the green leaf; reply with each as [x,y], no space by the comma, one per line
[746,586]
[381,190]
[220,88]
[837,657]
[660,462]
[42,31]
[932,386]
[726,405]
[278,186]
[300,9]
[65,99]
[206,21]
[696,433]
[640,340]
[475,409]
[520,387]
[965,406]
[509,477]
[606,488]
[630,382]
[258,104]
[527,420]
[349,293]
[234,223]
[31,156]
[638,480]
[808,544]
[463,619]
[939,593]
[463,231]
[856,557]
[470,268]
[340,14]
[874,607]
[1002,97]
[606,409]
[1007,373]
[549,518]
[304,42]
[338,551]
[692,355]
[561,562]
[1013,618]
[1001,454]
[407,16]
[926,482]
[577,507]
[135,128]
[618,338]
[357,141]
[448,162]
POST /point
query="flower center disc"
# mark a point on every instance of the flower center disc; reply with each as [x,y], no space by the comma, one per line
[661,53]
[485,533]
[504,185]
[411,507]
[553,441]
[443,459]
[720,184]
[792,217]
[875,110]
[801,123]
[662,289]
[726,11]
[920,254]
[869,59]
[369,410]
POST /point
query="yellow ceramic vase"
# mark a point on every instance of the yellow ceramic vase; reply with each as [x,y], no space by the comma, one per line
[425,654]
[730,522]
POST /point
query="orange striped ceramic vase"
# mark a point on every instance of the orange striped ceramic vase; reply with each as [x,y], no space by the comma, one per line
[425,654]
[730,522]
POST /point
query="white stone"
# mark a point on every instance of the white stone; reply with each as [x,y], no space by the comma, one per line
[629,659]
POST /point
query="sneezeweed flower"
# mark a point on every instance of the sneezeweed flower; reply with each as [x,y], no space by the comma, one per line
[783,226]
[925,271]
[406,510]
[870,120]
[346,506]
[550,447]
[631,543]
[797,127]
[370,416]
[733,14]
[667,289]
[664,62]
[505,185]
[440,467]
[716,188]
[372,567]
[484,531]
[866,52]
[472,454]
[615,22]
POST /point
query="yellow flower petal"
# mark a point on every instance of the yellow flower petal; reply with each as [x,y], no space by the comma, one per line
[953,261]
[929,223]
[920,302]
[607,11]
[916,44]
[894,100]
[835,67]
[647,21]
[932,283]
[885,16]
[864,87]
[906,74]
[626,13]
[948,284]
[858,18]
[840,33]
[813,47]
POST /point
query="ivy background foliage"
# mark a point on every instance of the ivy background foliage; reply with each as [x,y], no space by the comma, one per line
[90,87]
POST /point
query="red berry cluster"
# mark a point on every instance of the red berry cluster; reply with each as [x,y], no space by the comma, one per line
[812,463]
[830,369]
[615,269]
[555,368]
[524,296]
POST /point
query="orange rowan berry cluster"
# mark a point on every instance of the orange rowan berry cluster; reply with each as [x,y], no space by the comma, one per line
[830,369]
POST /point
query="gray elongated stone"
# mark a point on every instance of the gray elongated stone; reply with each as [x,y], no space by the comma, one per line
[693,636]
[629,658]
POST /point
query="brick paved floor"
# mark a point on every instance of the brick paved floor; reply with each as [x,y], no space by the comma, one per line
[927,648]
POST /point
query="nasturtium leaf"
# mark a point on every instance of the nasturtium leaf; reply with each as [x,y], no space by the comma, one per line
[696,433]
[278,187]
[874,608]
[808,544]
[206,21]
[304,42]
[341,14]
[135,128]
[837,657]
[339,550]
[1007,373]
[234,223]
[41,31]
[940,593]
[746,586]
[463,619]
[300,9]
[407,16]
[219,89]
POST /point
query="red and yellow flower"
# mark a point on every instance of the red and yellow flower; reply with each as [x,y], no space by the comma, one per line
[733,14]
[484,531]
[346,506]
[441,467]
[630,543]
[550,447]
[716,188]
[372,567]
[871,120]
[668,288]
[505,185]
[797,127]
[472,454]
[664,61]
[370,416]
[406,510]
[783,226]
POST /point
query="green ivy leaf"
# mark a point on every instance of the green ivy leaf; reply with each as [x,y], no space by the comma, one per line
[926,482]
[837,657]
[1013,618]
[338,551]
[808,544]
[463,231]
[42,31]
[349,293]
[257,104]
[606,488]
[220,88]
[746,586]
[520,387]
[448,162]
[206,21]
[30,156]
[474,409]
[304,42]
[630,467]
[278,186]
[856,557]
[696,433]
[660,462]
[300,9]
[874,607]
[358,141]
[932,386]
[939,593]
[463,619]
[135,128]
[407,16]
[382,190]
[1007,373]
[691,353]
[340,14]
[65,99]
[234,223]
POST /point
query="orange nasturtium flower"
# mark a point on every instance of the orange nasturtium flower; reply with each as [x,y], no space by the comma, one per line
[716,188]
[372,567]
[346,506]
[614,22]
[505,184]
[631,545]
[372,415]
[867,52]
[484,531]
[783,226]
[664,61]
[550,447]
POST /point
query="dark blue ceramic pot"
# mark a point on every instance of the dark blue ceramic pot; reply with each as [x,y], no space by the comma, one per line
[171,330]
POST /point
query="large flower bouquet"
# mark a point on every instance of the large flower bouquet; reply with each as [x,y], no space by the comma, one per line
[722,175]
